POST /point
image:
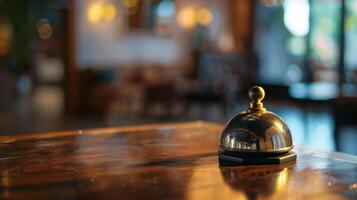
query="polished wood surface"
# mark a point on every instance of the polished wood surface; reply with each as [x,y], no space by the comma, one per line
[167,161]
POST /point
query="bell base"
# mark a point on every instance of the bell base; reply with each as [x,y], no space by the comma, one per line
[229,159]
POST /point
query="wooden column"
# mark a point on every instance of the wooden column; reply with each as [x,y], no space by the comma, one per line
[242,23]
[71,69]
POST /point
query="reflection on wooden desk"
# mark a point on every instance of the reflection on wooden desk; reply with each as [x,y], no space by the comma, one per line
[167,161]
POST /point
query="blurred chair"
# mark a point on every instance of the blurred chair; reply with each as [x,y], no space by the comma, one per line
[345,114]
[110,92]
[220,76]
[160,94]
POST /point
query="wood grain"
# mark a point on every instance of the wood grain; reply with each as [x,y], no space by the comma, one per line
[164,161]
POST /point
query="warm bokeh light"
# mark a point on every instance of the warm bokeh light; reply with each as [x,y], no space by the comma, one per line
[187,17]
[204,16]
[44,28]
[109,12]
[45,31]
[94,13]
[98,12]
[6,34]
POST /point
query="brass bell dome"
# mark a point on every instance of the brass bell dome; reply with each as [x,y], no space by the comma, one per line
[256,130]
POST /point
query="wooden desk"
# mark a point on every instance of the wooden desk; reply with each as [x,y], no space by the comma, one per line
[172,161]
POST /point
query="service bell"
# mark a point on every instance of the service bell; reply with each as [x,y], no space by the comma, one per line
[256,136]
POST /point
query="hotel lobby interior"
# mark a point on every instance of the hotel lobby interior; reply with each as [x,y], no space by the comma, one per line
[98,65]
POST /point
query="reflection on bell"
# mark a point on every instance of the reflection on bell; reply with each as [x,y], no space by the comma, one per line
[256,136]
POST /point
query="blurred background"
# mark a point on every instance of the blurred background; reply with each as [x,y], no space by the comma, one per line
[76,64]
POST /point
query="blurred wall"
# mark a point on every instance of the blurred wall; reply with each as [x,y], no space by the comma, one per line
[110,43]
[270,35]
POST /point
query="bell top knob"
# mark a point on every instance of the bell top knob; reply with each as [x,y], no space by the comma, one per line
[256,95]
